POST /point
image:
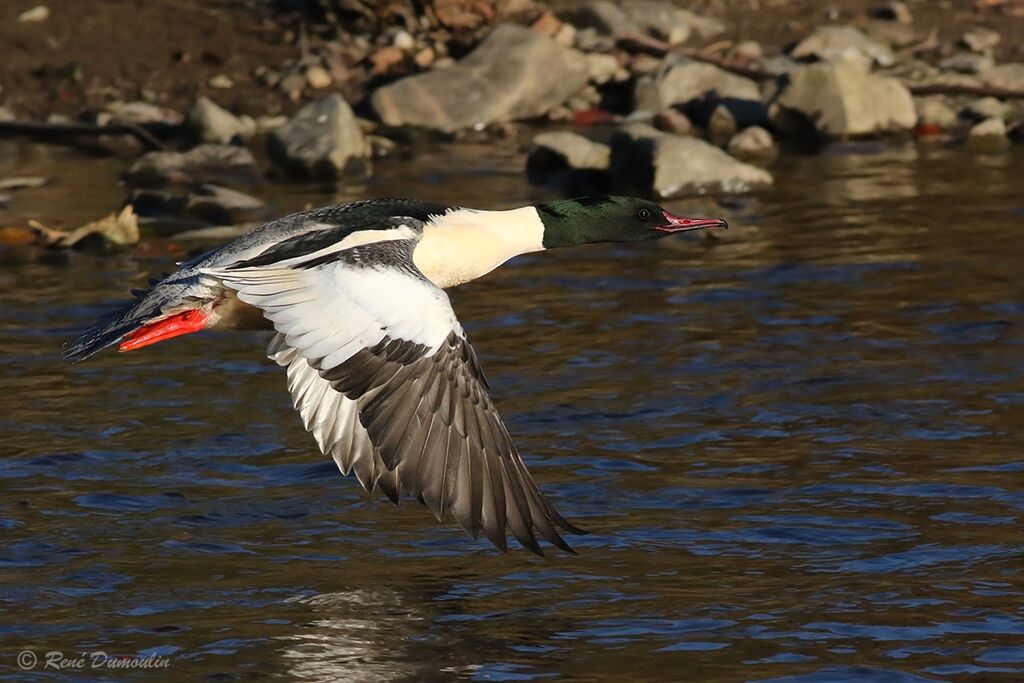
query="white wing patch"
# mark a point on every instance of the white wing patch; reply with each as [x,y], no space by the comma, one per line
[329,312]
[332,419]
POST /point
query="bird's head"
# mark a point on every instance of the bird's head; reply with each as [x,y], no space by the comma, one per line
[569,222]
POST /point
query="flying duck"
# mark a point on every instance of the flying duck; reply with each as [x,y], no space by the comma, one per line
[378,365]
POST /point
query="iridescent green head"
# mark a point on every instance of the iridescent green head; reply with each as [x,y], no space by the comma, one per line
[568,222]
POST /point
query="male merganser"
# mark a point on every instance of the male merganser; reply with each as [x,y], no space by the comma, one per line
[378,366]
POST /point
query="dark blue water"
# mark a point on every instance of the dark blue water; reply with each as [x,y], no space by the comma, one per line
[798,449]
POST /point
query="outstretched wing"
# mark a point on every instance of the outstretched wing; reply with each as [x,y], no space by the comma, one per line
[333,420]
[384,339]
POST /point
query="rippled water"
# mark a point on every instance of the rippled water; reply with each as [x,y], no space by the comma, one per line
[798,448]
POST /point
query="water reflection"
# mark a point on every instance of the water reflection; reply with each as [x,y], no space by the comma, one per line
[360,636]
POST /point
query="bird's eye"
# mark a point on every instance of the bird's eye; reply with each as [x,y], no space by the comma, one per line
[643,214]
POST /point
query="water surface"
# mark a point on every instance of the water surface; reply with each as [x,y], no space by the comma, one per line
[798,448]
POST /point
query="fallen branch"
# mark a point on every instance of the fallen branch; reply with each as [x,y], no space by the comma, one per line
[634,42]
[49,131]
[965,89]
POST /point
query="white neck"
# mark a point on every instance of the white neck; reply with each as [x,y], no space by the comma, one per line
[464,244]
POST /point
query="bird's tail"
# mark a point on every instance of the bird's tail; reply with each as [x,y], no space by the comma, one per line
[160,312]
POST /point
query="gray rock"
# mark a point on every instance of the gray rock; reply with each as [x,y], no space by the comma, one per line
[23,182]
[603,16]
[688,80]
[322,141]
[1009,75]
[645,159]
[222,205]
[747,51]
[514,73]
[893,11]
[980,39]
[591,40]
[602,68]
[200,205]
[987,136]
[225,164]
[673,24]
[778,65]
[211,123]
[672,120]
[843,44]
[893,34]
[985,108]
[657,17]
[843,100]
[645,95]
[721,125]
[571,150]
[144,113]
[935,111]
[918,73]
[754,143]
[967,63]
[569,163]
[744,112]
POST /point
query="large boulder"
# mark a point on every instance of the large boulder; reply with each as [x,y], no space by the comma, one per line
[223,164]
[843,44]
[322,141]
[645,159]
[514,73]
[843,101]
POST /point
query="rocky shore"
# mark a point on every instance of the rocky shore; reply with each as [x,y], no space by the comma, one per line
[642,97]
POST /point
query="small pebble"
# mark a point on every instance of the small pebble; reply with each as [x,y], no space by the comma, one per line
[748,50]
[221,82]
[753,143]
[722,125]
[424,58]
[673,121]
[35,15]
[934,112]
[404,41]
[548,24]
[266,124]
[602,68]
[292,85]
[385,58]
[318,78]
[893,11]
[566,35]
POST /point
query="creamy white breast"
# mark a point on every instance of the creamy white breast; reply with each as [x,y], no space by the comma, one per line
[465,244]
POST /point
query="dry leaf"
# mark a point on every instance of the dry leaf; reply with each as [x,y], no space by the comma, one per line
[121,229]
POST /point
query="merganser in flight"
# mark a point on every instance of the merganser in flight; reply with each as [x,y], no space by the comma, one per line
[378,365]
